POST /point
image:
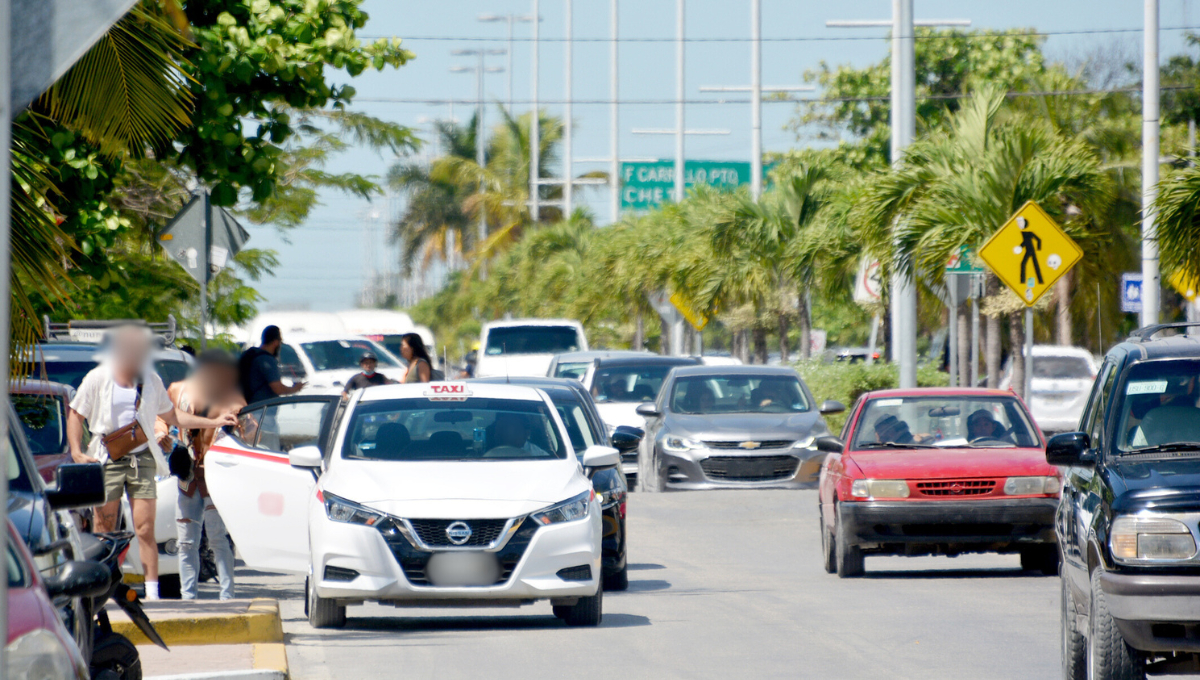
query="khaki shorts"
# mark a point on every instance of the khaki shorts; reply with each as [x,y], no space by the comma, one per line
[122,476]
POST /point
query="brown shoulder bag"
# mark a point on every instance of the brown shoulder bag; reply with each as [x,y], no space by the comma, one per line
[123,440]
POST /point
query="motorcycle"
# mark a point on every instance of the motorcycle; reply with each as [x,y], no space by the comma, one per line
[114,656]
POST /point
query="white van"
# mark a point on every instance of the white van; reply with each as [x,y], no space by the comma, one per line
[526,346]
[294,322]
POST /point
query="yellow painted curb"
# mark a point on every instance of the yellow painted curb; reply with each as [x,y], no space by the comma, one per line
[271,656]
[259,623]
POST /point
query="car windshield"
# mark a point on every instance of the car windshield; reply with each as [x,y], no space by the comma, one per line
[1062,368]
[574,369]
[624,384]
[471,429]
[328,355]
[702,395]
[967,421]
[532,340]
[19,479]
[1157,407]
[65,372]
[42,419]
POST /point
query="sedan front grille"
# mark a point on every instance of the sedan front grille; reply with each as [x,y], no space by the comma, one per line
[750,468]
[957,487]
[432,532]
[751,445]
[413,559]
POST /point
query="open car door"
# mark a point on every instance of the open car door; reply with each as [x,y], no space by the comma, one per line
[263,500]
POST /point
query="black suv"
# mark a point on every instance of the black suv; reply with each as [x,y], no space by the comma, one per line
[1127,522]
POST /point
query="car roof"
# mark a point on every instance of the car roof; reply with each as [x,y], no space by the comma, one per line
[40,387]
[292,338]
[83,351]
[535,381]
[648,360]
[1176,346]
[589,355]
[469,388]
[938,392]
[744,369]
[505,323]
[1060,351]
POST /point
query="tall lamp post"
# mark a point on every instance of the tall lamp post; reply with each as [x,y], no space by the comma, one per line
[510,19]
[1150,150]
[480,158]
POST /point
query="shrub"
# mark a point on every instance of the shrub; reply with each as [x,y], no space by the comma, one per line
[847,382]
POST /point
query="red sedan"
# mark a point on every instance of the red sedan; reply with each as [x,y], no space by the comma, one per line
[937,472]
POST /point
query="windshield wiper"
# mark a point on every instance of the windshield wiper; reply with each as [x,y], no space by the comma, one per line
[894,445]
[1165,448]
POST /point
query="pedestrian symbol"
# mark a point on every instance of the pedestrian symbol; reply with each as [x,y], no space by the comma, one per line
[1030,252]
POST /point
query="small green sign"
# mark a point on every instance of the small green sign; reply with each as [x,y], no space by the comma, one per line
[647,185]
[963,262]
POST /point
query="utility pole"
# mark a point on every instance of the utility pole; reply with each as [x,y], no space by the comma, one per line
[1150,148]
[568,162]
[480,138]
[679,129]
[614,166]
[510,19]
[535,125]
[903,120]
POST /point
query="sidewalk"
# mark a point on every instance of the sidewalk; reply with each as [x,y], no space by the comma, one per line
[209,639]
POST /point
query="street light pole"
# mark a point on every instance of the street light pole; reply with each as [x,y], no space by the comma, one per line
[679,129]
[511,20]
[1150,149]
[480,146]
[535,124]
[568,162]
[614,167]
[756,183]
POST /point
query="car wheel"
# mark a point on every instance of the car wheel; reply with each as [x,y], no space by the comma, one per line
[168,586]
[1109,657]
[322,613]
[116,655]
[1074,644]
[1043,558]
[617,581]
[828,557]
[849,557]
[588,611]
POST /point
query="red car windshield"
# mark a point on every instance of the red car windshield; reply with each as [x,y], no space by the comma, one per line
[967,421]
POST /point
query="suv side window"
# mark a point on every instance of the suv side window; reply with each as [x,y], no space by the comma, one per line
[1098,408]
[289,363]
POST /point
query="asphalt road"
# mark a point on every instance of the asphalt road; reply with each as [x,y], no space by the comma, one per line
[724,584]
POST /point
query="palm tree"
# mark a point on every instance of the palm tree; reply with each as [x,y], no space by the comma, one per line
[958,187]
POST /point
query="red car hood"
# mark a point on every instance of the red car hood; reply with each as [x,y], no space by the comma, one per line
[951,463]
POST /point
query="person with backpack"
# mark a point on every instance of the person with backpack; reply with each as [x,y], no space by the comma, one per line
[258,368]
[420,367]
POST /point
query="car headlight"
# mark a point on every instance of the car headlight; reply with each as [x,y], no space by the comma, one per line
[678,444]
[1151,538]
[1031,486]
[566,511]
[879,488]
[804,443]
[339,509]
[39,654]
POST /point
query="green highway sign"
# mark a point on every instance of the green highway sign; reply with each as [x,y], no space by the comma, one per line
[963,262]
[649,184]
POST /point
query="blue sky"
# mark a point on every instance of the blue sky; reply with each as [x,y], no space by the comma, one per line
[322,262]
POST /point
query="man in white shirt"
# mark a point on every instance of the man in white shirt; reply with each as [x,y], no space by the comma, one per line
[512,431]
[105,400]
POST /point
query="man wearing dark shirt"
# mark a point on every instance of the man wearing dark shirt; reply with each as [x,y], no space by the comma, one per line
[368,376]
[259,368]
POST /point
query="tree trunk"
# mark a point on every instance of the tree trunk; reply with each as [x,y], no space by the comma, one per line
[639,332]
[743,346]
[1062,291]
[1016,340]
[760,345]
[783,339]
[664,340]
[993,337]
[964,344]
[805,327]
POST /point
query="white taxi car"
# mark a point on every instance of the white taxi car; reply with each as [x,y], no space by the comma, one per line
[453,494]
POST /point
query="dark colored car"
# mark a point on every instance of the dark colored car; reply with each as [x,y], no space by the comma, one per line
[583,423]
[1127,522]
[42,409]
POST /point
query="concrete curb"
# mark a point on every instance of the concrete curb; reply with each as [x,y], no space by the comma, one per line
[225,675]
[260,623]
[271,656]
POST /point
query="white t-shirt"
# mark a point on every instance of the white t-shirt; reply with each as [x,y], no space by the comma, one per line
[122,408]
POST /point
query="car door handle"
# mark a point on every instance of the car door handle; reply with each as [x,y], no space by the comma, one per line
[226,462]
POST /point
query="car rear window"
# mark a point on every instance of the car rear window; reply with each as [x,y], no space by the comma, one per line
[1062,368]
[532,340]
[41,417]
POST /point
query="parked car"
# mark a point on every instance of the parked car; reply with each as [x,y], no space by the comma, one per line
[940,471]
[42,410]
[730,427]
[1062,380]
[586,429]
[526,346]
[327,361]
[67,362]
[437,494]
[1127,524]
[38,645]
[575,364]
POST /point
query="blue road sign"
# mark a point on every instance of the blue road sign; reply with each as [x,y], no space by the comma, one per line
[1131,293]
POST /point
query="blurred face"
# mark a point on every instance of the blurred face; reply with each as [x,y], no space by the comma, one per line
[216,381]
[406,350]
[131,349]
[368,365]
[981,426]
[511,432]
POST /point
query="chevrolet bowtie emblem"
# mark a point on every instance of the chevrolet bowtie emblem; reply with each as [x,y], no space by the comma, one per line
[748,445]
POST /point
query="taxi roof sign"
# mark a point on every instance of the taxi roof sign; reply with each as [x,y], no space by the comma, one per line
[1030,253]
[447,391]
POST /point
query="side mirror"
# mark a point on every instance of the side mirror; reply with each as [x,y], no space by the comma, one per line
[830,406]
[79,578]
[627,438]
[305,457]
[830,444]
[648,410]
[1069,449]
[601,457]
[76,486]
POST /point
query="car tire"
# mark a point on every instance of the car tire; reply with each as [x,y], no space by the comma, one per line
[829,559]
[115,654]
[588,611]
[1074,643]
[617,581]
[1043,558]
[322,613]
[1109,657]
[848,557]
[169,587]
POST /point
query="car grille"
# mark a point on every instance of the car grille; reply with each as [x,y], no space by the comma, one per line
[413,560]
[432,532]
[750,468]
[765,444]
[957,487]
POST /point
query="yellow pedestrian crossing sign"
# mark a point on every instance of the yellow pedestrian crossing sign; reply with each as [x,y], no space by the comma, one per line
[1030,252]
[1185,285]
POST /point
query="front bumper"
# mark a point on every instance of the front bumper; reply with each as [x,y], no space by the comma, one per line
[724,469]
[992,524]
[1155,612]
[369,567]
